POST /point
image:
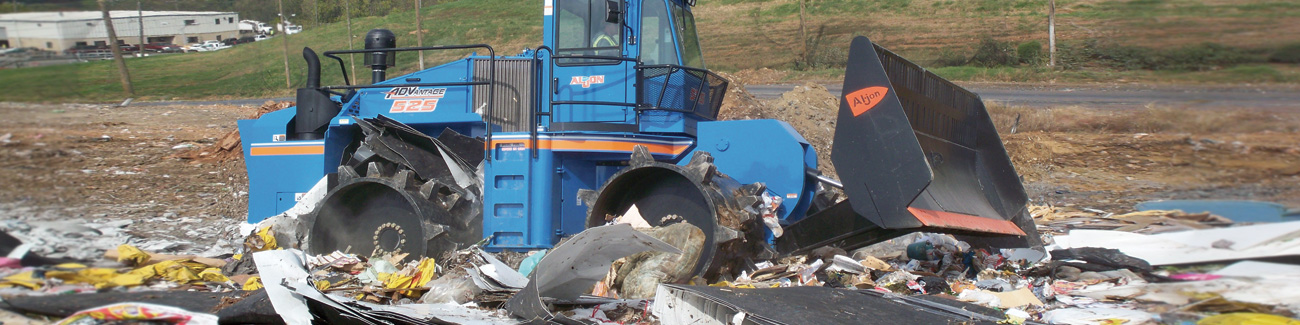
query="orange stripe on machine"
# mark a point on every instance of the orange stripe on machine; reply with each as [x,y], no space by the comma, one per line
[597,145]
[287,150]
[944,219]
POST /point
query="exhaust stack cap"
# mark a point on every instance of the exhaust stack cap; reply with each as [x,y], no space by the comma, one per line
[381,39]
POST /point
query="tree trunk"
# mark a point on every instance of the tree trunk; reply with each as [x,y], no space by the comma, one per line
[117,51]
[419,32]
[347,14]
[803,34]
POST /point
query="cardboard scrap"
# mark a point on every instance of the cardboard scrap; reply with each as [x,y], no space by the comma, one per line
[1017,298]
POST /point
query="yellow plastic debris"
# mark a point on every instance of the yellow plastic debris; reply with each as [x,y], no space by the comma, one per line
[130,255]
[1247,319]
[410,278]
[322,285]
[253,283]
[70,266]
[124,280]
[24,279]
[425,273]
[213,274]
[395,281]
[182,275]
[265,240]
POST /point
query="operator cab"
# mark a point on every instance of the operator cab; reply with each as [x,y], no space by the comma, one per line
[628,66]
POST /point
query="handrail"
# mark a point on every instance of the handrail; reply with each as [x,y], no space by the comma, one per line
[492,77]
[537,94]
[330,54]
[427,84]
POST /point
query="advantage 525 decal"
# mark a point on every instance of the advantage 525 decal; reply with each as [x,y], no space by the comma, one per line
[414,99]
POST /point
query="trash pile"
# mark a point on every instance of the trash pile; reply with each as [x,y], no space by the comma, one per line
[227,148]
[1146,267]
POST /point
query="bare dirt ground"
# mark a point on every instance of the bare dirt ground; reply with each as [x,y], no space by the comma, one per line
[1102,157]
[84,169]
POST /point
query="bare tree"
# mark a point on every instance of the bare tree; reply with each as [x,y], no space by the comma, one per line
[117,51]
[419,32]
[347,13]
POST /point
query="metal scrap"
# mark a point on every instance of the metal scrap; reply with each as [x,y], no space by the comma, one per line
[572,268]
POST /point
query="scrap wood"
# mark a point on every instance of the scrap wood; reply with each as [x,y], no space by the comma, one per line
[227,148]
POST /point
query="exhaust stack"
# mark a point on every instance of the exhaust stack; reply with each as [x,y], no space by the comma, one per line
[315,109]
[380,61]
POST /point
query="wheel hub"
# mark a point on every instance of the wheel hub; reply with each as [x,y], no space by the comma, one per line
[389,239]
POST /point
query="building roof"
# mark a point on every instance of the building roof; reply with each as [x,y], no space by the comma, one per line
[56,16]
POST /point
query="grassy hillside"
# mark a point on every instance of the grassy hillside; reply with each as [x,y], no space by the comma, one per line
[257,69]
[928,30]
[750,34]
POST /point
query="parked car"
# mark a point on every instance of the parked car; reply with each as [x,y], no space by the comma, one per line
[247,39]
[128,47]
[208,47]
[162,47]
[260,38]
[84,49]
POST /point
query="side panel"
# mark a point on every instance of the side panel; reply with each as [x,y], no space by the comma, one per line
[767,151]
[576,174]
[277,169]
[412,105]
[530,203]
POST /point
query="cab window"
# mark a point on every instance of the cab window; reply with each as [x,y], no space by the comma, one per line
[689,44]
[656,34]
[581,29]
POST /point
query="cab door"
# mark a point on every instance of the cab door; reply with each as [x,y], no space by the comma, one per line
[593,70]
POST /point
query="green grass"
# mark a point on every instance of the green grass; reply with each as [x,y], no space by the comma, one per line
[257,69]
[735,34]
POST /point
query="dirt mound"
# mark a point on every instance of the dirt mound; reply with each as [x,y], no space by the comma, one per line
[810,109]
[228,147]
[738,104]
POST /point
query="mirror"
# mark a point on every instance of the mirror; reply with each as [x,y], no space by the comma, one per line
[613,11]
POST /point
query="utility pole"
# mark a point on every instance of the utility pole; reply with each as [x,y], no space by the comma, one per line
[1051,33]
[347,14]
[117,51]
[284,34]
[419,32]
[139,11]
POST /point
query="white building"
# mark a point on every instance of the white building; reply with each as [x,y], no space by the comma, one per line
[57,31]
